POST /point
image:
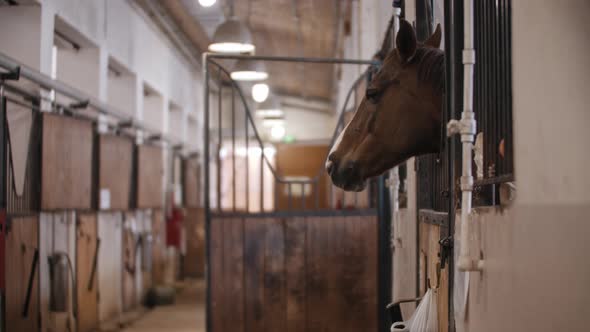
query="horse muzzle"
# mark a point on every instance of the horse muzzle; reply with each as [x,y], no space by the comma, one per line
[345,175]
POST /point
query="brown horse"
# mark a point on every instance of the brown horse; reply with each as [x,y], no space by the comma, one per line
[399,117]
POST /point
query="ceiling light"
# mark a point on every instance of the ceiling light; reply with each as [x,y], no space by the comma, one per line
[274,121]
[248,70]
[277,132]
[260,92]
[207,3]
[232,36]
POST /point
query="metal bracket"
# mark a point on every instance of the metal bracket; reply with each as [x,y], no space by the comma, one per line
[80,105]
[13,75]
[446,248]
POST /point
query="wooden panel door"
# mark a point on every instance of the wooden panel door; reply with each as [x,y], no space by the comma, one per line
[150,172]
[115,169]
[67,163]
[294,274]
[430,235]
[87,247]
[22,274]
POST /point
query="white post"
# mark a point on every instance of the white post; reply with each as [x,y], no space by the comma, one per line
[467,128]
[394,182]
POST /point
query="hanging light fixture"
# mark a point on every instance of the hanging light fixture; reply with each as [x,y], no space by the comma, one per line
[232,36]
[249,70]
[277,132]
[271,107]
[207,3]
[260,92]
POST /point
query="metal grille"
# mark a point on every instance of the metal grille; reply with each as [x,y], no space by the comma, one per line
[493,89]
[29,201]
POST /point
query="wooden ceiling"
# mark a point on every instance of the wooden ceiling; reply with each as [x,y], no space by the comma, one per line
[298,28]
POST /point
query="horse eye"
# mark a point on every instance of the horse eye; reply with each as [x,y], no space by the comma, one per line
[371,94]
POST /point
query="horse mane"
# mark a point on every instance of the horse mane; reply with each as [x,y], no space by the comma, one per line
[431,66]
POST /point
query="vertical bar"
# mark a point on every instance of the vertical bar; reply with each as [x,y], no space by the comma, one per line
[316,193]
[247,167]
[219,140]
[262,179]
[206,204]
[303,196]
[384,255]
[276,194]
[290,196]
[233,148]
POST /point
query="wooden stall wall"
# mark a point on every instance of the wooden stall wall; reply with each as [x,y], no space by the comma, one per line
[158,247]
[194,258]
[301,161]
[150,181]
[294,274]
[67,153]
[110,226]
[192,183]
[22,270]
[115,171]
[430,235]
[87,249]
[57,234]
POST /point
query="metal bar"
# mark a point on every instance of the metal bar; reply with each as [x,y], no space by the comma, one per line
[262,178]
[233,148]
[317,195]
[303,196]
[290,197]
[299,213]
[206,201]
[384,256]
[291,59]
[48,83]
[247,167]
[219,142]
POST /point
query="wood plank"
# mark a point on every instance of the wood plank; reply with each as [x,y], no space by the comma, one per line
[194,260]
[86,274]
[217,276]
[67,163]
[21,244]
[254,253]
[192,183]
[150,172]
[158,247]
[295,264]
[275,300]
[320,303]
[115,163]
[233,272]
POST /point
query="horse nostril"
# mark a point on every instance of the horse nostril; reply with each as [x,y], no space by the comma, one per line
[329,166]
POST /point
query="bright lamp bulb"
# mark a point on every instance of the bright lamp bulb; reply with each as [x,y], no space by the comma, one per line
[207,3]
[248,76]
[260,92]
[277,132]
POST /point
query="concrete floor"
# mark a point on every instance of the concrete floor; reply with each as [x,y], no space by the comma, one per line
[186,315]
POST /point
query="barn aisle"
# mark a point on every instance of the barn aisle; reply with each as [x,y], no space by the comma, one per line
[186,315]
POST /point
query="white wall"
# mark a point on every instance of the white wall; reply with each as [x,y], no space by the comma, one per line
[536,273]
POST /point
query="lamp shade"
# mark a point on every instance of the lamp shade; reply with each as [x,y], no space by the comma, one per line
[232,36]
[249,70]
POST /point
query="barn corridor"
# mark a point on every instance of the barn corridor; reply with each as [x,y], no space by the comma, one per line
[187,314]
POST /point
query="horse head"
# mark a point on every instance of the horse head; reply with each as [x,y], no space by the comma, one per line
[399,117]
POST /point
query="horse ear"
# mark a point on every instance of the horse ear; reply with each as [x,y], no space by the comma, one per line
[434,39]
[405,41]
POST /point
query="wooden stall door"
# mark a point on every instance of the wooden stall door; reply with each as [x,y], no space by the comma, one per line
[115,171]
[21,248]
[430,235]
[67,163]
[87,272]
[294,274]
[194,259]
[150,170]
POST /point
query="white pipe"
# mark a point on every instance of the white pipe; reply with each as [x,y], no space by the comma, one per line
[467,128]
[394,181]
